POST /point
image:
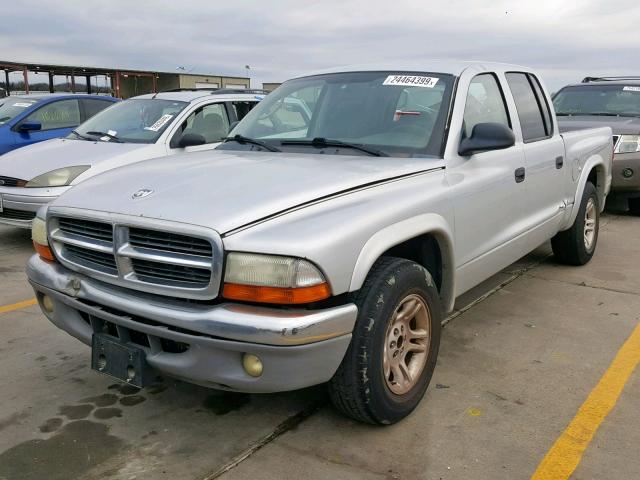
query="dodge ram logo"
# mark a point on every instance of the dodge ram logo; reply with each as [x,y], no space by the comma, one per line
[144,192]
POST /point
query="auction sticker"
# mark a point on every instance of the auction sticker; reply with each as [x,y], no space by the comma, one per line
[631,89]
[161,122]
[411,81]
[22,104]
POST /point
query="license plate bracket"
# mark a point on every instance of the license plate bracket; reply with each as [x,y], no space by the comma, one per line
[124,362]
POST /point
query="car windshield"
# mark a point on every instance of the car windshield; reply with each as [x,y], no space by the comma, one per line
[131,121]
[11,107]
[391,113]
[614,100]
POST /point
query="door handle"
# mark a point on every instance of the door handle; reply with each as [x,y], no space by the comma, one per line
[520,174]
[559,162]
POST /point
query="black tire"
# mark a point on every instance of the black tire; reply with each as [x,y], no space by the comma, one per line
[634,206]
[569,246]
[359,388]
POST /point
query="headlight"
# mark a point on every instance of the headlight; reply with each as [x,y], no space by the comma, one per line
[628,144]
[273,279]
[57,178]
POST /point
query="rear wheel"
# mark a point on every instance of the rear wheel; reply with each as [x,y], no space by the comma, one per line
[634,206]
[393,352]
[577,245]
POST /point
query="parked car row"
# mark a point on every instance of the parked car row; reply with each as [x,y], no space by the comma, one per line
[322,241]
[144,127]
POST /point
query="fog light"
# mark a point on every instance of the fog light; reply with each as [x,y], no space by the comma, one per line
[47,304]
[627,173]
[252,364]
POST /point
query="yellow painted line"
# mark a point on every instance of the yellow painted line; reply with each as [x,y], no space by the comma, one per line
[565,455]
[18,306]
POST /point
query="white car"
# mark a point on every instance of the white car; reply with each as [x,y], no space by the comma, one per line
[141,128]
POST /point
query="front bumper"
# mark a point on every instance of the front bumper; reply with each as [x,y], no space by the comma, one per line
[198,343]
[621,163]
[20,205]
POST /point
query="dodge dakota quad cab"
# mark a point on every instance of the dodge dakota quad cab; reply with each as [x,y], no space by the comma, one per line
[612,102]
[149,126]
[323,247]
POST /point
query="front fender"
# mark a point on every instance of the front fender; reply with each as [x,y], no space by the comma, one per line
[399,232]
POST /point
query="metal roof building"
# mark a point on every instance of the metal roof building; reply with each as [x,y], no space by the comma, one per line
[123,83]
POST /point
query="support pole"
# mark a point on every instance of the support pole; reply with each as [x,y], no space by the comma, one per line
[118,85]
[88,77]
[73,82]
[25,75]
[51,89]
[6,81]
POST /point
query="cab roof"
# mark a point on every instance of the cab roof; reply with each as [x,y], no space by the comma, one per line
[452,67]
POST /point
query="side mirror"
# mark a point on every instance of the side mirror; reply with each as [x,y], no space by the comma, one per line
[233,125]
[485,137]
[191,140]
[30,126]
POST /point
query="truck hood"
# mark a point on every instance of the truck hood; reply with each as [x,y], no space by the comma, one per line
[224,191]
[619,125]
[29,162]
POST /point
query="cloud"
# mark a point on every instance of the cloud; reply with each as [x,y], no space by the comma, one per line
[285,38]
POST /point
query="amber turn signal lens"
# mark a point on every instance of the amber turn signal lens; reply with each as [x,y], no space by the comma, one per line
[282,296]
[44,251]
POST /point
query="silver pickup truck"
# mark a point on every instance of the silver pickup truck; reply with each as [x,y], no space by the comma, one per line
[325,240]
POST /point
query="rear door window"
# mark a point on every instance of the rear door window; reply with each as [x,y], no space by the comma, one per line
[544,105]
[59,114]
[529,109]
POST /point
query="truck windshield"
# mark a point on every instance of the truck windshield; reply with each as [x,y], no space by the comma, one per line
[387,113]
[11,107]
[131,121]
[607,100]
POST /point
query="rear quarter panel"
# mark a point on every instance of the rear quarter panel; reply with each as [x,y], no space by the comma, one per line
[586,150]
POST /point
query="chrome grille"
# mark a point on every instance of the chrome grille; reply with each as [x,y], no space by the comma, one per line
[156,256]
[169,242]
[86,228]
[105,262]
[155,272]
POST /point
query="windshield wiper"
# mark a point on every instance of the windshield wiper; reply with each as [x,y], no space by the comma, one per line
[319,142]
[104,134]
[242,139]
[83,137]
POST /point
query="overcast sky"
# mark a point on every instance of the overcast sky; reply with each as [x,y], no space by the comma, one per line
[280,39]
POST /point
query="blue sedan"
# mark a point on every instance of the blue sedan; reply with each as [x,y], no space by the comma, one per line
[34,118]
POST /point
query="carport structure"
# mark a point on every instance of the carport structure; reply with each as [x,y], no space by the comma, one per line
[124,83]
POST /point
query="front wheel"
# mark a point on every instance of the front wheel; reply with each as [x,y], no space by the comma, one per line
[394,348]
[577,245]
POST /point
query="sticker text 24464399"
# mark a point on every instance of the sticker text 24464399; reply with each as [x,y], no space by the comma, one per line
[411,81]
